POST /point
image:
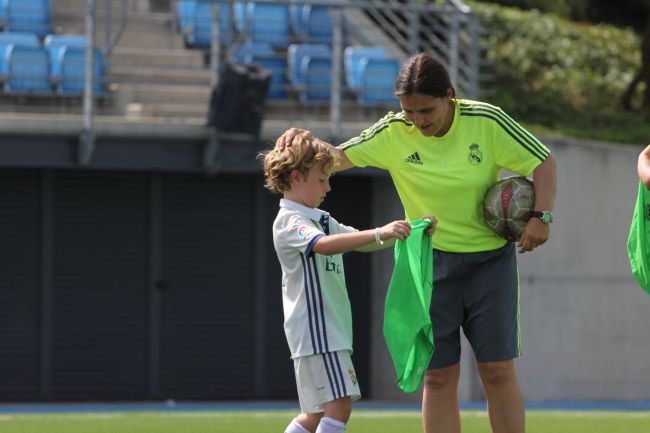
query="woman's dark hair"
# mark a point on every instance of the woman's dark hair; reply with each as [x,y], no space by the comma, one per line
[425,75]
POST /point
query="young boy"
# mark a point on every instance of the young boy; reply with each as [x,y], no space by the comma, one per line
[317,315]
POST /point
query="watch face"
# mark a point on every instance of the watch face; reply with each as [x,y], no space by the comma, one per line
[545,216]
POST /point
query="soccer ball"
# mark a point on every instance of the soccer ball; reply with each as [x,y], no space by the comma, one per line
[508,206]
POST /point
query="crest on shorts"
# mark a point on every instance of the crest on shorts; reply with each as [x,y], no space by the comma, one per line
[475,155]
[353,376]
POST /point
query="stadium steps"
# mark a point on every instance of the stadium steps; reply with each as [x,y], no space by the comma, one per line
[150,72]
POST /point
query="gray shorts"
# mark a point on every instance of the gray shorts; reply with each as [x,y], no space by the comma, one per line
[480,293]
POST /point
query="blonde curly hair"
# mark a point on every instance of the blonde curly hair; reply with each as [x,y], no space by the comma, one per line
[302,154]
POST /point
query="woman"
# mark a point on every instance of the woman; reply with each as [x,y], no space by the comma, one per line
[443,154]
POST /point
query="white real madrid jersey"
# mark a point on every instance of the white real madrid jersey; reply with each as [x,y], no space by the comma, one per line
[317,314]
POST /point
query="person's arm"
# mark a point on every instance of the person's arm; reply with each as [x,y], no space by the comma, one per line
[643,167]
[363,240]
[537,232]
[391,242]
[342,161]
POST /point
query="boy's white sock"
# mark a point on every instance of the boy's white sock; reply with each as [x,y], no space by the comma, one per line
[330,425]
[295,427]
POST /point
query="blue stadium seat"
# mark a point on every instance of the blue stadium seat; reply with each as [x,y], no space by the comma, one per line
[27,70]
[13,39]
[269,22]
[185,14]
[295,13]
[352,57]
[240,10]
[378,81]
[4,13]
[195,19]
[295,54]
[21,39]
[317,25]
[278,67]
[72,60]
[54,44]
[32,16]
[264,49]
[317,73]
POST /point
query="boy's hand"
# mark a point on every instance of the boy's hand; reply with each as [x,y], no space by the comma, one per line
[432,224]
[287,137]
[397,229]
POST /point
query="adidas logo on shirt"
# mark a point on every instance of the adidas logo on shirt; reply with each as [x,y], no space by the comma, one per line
[414,159]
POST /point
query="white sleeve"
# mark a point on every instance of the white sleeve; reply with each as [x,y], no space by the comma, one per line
[300,233]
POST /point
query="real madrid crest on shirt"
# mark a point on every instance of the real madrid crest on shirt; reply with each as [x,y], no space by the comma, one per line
[475,155]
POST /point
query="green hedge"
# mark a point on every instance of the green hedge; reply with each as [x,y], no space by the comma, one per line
[561,77]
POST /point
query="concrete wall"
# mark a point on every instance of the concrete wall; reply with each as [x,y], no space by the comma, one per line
[585,321]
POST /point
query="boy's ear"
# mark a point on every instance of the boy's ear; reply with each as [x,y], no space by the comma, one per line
[295,176]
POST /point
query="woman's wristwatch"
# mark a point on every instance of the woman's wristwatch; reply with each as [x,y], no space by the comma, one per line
[544,215]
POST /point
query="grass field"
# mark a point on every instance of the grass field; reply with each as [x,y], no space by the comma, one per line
[272,421]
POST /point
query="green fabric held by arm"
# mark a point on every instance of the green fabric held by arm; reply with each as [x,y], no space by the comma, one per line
[407,324]
[638,243]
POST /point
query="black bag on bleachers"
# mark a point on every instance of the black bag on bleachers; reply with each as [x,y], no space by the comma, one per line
[237,103]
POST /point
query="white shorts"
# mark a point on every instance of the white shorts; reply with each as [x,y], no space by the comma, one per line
[323,378]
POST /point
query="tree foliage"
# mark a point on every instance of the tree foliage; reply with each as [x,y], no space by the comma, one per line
[617,12]
[562,75]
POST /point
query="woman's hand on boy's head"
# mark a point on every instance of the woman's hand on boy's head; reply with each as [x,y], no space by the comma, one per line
[432,224]
[287,137]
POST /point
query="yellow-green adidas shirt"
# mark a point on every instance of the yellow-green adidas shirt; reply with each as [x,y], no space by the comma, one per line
[448,176]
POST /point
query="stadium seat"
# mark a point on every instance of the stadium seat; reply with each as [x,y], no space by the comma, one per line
[295,54]
[54,44]
[295,13]
[21,39]
[72,61]
[184,14]
[278,67]
[352,57]
[253,48]
[32,16]
[241,17]
[377,81]
[7,40]
[27,70]
[195,20]
[270,23]
[316,25]
[4,13]
[317,74]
